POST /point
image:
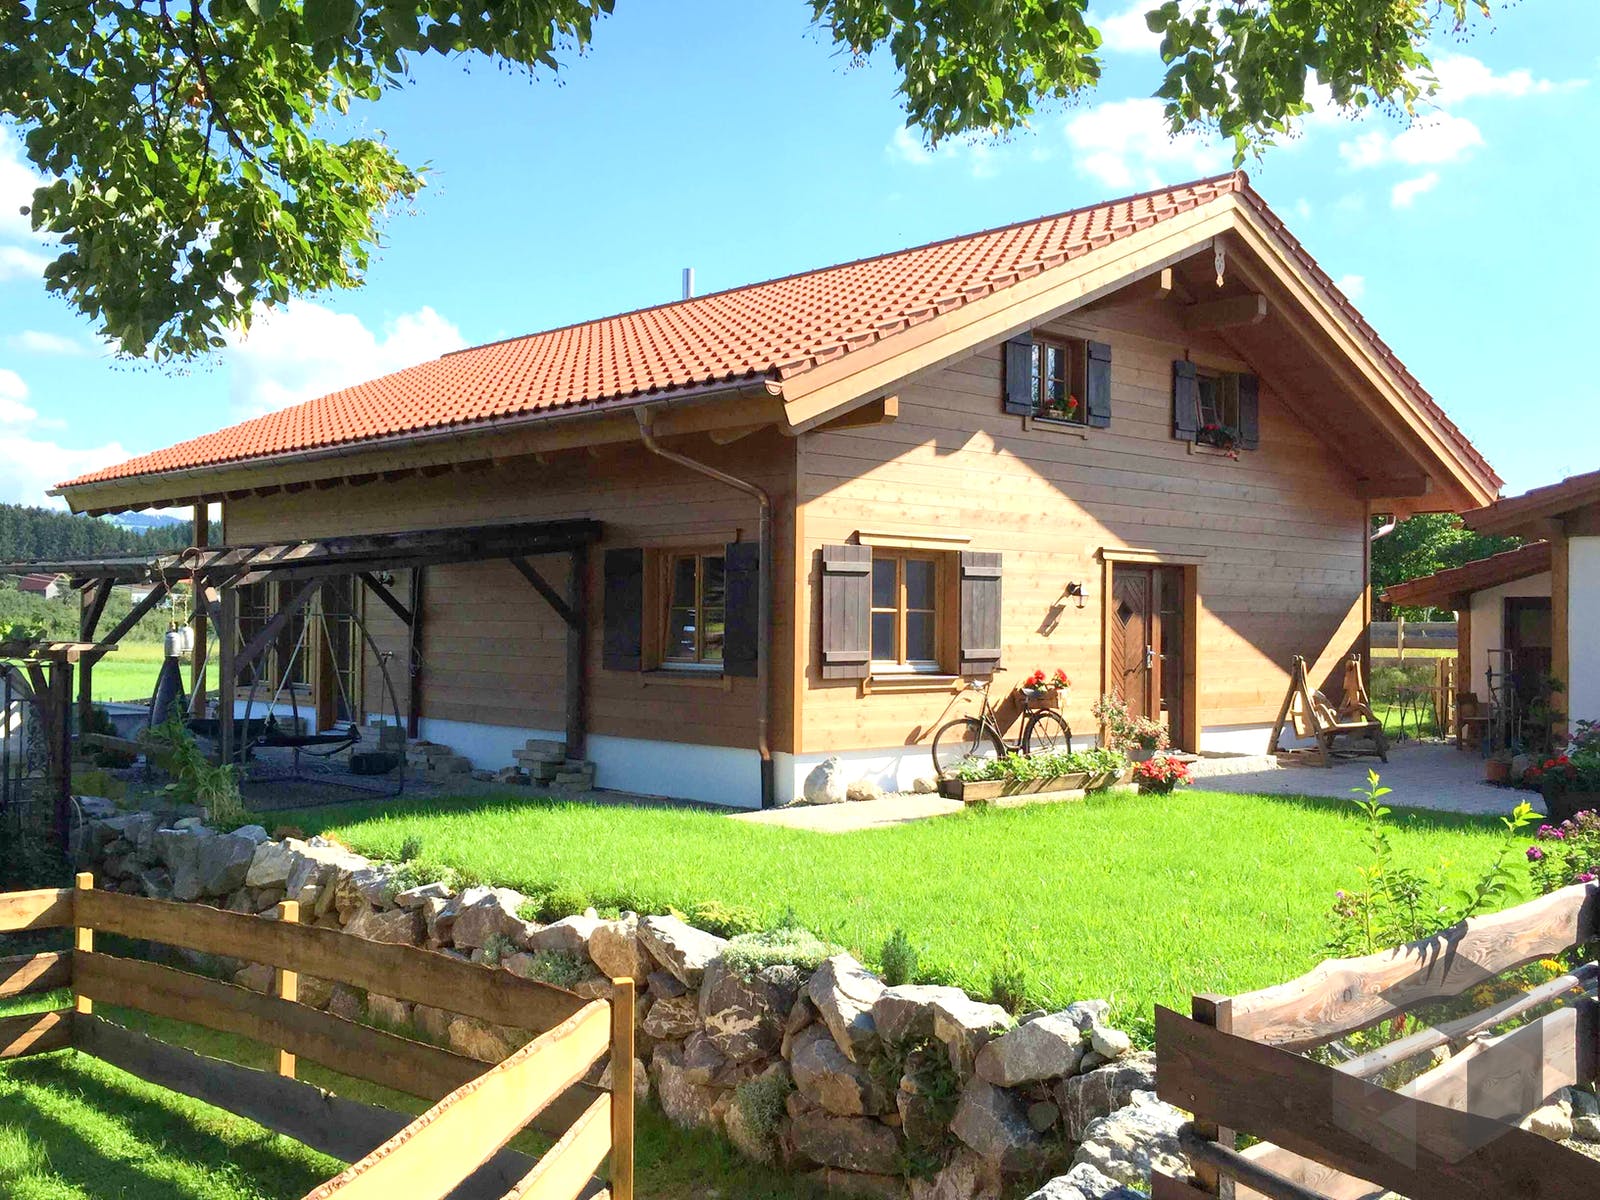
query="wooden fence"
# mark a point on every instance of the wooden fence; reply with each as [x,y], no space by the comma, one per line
[1401,636]
[456,1148]
[1334,1132]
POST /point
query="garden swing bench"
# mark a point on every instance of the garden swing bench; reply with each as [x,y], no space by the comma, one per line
[1314,717]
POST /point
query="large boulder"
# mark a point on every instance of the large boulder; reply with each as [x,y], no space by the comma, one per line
[993,1122]
[966,1026]
[686,1104]
[672,1018]
[823,1074]
[964,1177]
[1048,1047]
[905,1013]
[570,935]
[371,886]
[844,993]
[484,914]
[1084,1182]
[418,896]
[1137,1139]
[397,925]
[744,1015]
[271,864]
[825,783]
[614,947]
[484,1040]
[680,948]
[212,866]
[848,1143]
[1086,1098]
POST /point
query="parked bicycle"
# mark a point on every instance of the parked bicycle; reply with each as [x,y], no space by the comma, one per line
[1044,731]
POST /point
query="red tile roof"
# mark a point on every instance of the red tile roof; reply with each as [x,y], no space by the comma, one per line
[1542,503]
[766,331]
[1440,588]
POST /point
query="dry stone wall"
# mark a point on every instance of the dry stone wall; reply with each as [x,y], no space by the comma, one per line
[915,1092]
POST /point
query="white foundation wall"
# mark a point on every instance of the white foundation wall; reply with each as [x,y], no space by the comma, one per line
[1244,739]
[1583,628]
[1488,625]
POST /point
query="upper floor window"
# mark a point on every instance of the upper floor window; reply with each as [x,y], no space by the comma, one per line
[1059,367]
[905,629]
[1215,408]
[696,609]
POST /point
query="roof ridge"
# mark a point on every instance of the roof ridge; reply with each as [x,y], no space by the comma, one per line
[1239,180]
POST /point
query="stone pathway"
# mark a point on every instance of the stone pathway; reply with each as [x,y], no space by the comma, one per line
[852,817]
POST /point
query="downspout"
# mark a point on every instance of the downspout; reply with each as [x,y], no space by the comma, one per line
[763,593]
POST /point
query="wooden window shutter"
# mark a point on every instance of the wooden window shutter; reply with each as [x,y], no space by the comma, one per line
[846,612]
[1097,385]
[1020,397]
[1249,412]
[1185,401]
[624,610]
[740,646]
[980,613]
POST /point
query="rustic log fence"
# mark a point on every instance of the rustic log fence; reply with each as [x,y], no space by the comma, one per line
[457,1148]
[1333,1132]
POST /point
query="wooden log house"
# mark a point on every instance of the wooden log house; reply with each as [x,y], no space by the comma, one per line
[1141,441]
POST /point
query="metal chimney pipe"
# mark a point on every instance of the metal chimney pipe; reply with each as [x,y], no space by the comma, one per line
[688,283]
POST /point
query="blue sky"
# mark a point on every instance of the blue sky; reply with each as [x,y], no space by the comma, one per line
[730,137]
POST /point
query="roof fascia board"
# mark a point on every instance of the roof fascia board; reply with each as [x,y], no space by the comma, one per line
[1524,514]
[1312,300]
[813,396]
[745,404]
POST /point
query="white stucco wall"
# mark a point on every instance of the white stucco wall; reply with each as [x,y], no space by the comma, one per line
[1488,625]
[1583,628]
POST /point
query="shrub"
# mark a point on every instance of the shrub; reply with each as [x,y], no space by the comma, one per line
[726,920]
[762,1103]
[785,945]
[899,959]
[497,948]
[1127,732]
[559,968]
[1008,984]
[1567,853]
[411,849]
[1159,775]
[195,781]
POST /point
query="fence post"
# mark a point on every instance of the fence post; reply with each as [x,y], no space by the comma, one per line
[1216,1011]
[82,940]
[288,983]
[622,1015]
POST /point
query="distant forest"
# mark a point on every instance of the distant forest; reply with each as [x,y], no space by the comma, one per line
[27,533]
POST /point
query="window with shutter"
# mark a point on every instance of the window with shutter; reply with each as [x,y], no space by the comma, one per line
[905,611]
[623,615]
[980,613]
[846,612]
[1215,408]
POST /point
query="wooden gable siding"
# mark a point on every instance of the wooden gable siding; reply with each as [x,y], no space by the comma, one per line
[493,650]
[1281,531]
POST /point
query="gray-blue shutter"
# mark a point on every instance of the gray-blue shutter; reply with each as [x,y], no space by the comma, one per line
[1097,385]
[1185,401]
[1249,412]
[1019,376]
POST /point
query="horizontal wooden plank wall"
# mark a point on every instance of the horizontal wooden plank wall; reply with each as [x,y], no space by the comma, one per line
[493,650]
[403,972]
[1281,532]
[341,1128]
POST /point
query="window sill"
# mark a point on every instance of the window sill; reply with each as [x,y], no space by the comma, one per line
[1214,451]
[1049,425]
[685,677]
[908,682]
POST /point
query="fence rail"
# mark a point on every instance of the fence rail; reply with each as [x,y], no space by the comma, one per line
[457,1148]
[1334,1132]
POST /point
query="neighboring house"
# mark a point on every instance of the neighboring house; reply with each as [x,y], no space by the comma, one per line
[1142,441]
[49,586]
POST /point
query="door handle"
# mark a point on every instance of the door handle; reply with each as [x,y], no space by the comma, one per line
[1149,657]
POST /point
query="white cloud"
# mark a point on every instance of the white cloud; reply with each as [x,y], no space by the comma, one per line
[36,465]
[1352,286]
[304,350]
[19,263]
[1126,144]
[13,391]
[1462,77]
[1125,32]
[37,341]
[17,183]
[1429,141]
[1404,194]
[1302,209]
[979,157]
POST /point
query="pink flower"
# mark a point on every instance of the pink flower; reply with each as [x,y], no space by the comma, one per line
[1587,877]
[1535,854]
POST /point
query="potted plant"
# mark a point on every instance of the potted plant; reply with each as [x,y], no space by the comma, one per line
[1137,737]
[1159,775]
[1063,408]
[1497,769]
[1044,691]
[1223,437]
[979,780]
[1570,783]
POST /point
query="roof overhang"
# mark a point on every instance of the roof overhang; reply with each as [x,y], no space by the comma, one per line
[1541,512]
[1451,588]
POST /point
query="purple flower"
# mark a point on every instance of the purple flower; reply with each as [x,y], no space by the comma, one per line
[1587,877]
[1535,854]
[1339,895]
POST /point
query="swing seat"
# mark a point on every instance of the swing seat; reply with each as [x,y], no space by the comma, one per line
[1314,717]
[273,735]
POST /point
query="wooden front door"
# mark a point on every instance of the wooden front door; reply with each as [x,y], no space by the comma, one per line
[1149,657]
[1529,632]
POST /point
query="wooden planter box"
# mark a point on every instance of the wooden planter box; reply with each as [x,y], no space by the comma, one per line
[982,790]
[1035,699]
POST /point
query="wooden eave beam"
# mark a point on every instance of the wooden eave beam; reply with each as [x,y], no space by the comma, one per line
[1227,313]
[883,411]
[1394,487]
[137,613]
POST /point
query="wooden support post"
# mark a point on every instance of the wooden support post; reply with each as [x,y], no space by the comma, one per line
[91,607]
[414,655]
[288,983]
[577,660]
[623,1008]
[197,662]
[61,749]
[83,942]
[1216,1011]
[227,674]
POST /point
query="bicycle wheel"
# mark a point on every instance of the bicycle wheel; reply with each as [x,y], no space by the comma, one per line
[961,740]
[1047,732]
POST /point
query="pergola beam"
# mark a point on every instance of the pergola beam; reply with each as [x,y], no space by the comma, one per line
[390,601]
[528,572]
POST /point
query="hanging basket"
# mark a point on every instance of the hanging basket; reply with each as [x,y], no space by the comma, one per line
[1036,698]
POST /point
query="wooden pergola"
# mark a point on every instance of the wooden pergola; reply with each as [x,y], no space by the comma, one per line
[217,573]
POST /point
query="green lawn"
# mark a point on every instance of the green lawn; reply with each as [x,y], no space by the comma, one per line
[129,672]
[1135,898]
